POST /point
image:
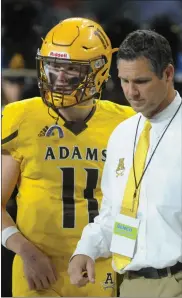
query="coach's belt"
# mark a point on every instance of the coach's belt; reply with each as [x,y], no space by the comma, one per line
[155,273]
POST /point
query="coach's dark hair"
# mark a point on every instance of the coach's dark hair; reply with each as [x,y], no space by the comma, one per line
[148,44]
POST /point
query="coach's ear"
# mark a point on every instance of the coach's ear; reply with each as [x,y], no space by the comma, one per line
[168,73]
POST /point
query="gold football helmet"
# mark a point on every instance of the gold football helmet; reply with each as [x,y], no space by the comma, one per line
[73,63]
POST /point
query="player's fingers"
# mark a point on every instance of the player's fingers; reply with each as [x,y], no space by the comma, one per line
[45,282]
[54,272]
[31,283]
[38,283]
[51,277]
[91,270]
[51,273]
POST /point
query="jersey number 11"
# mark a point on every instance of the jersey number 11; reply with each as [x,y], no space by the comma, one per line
[68,195]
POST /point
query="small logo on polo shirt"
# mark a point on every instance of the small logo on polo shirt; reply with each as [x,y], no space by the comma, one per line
[120,168]
[108,283]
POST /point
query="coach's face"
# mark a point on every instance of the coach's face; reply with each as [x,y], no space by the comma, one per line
[144,90]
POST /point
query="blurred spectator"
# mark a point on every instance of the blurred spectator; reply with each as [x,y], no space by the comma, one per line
[11,86]
[12,90]
[4,100]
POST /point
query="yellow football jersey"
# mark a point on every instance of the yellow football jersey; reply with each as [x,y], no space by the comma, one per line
[59,187]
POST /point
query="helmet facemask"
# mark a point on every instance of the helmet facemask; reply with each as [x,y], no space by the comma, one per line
[65,82]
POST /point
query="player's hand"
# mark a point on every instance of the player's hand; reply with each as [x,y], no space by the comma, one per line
[38,268]
[81,270]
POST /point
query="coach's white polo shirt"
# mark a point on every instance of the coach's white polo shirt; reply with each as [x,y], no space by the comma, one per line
[159,242]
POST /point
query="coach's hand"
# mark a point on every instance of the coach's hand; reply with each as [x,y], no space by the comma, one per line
[38,268]
[81,270]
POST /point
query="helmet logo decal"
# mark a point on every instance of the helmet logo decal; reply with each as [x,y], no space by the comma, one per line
[102,38]
[99,63]
[62,55]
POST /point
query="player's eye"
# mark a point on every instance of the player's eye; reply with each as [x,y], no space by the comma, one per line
[74,68]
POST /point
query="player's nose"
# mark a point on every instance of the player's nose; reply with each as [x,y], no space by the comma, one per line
[62,76]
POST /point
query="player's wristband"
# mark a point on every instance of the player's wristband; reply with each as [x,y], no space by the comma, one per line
[8,232]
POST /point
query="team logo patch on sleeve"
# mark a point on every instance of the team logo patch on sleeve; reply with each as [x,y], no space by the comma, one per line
[108,283]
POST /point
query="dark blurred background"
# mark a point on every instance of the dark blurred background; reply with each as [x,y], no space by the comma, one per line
[24,22]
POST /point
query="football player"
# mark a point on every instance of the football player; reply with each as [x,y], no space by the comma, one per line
[54,149]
